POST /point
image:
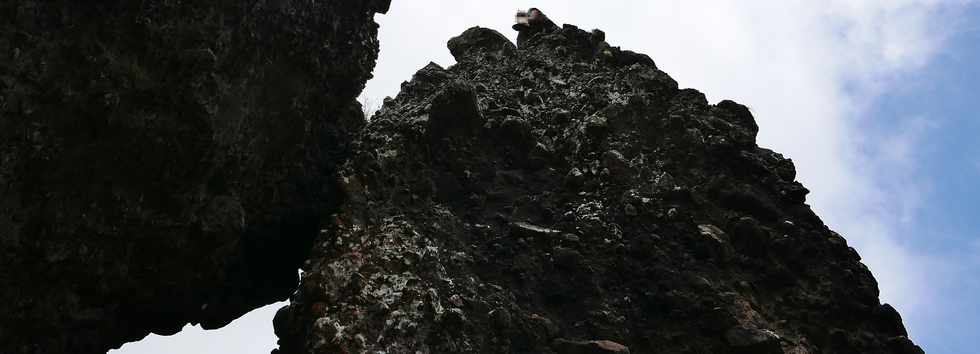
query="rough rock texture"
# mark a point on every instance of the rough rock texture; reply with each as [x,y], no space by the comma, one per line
[567,197]
[165,162]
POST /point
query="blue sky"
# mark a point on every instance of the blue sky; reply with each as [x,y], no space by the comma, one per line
[875,100]
[947,94]
[944,97]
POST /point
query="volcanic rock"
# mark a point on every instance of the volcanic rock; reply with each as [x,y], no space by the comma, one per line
[597,195]
[589,347]
[478,41]
[753,341]
[166,162]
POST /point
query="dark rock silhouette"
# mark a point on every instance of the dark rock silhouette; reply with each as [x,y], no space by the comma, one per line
[166,162]
[568,197]
[482,40]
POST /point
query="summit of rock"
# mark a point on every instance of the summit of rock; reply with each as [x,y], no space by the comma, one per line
[567,196]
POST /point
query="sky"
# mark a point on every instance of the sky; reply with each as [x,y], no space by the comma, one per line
[875,101]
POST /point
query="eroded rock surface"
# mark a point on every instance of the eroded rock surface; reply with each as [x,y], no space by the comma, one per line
[568,197]
[165,162]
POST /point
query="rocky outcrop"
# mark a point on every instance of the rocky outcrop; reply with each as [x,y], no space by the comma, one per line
[568,197]
[166,162]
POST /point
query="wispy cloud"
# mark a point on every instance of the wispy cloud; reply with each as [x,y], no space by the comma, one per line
[893,155]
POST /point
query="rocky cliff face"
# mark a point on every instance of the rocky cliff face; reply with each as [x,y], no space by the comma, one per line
[165,162]
[568,197]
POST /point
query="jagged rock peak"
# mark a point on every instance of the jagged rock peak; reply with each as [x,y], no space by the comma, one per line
[480,41]
[568,197]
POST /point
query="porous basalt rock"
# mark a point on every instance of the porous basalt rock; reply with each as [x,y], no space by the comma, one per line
[479,42]
[598,208]
[166,162]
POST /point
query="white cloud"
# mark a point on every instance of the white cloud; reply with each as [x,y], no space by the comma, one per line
[809,69]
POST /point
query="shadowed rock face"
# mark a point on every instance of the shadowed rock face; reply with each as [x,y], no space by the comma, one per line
[568,197]
[165,162]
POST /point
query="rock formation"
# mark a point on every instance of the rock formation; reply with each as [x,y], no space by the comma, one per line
[568,197]
[166,162]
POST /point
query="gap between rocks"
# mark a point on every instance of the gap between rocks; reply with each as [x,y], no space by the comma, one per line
[252,333]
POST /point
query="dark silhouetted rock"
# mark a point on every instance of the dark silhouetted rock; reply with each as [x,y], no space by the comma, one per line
[749,237]
[528,230]
[594,199]
[753,341]
[480,43]
[565,346]
[742,116]
[903,345]
[455,111]
[166,162]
